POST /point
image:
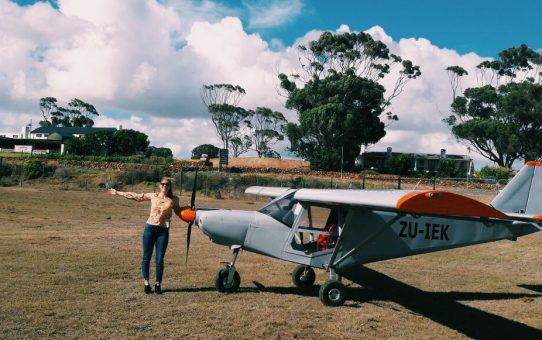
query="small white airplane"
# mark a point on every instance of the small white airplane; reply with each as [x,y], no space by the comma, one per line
[338,230]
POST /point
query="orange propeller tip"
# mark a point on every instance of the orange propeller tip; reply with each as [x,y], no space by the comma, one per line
[188,215]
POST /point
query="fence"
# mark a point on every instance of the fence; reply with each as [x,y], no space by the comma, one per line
[231,185]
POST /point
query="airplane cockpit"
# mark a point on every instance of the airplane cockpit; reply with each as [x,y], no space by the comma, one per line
[317,228]
[281,209]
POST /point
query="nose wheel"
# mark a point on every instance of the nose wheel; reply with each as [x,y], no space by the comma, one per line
[303,276]
[227,279]
[222,282]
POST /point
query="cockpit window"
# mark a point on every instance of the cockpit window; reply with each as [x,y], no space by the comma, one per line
[281,209]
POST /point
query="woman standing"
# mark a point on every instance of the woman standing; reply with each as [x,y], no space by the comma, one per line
[156,232]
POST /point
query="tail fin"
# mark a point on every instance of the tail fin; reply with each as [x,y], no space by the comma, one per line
[524,192]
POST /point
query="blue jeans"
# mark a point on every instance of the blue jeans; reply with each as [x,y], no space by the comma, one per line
[154,236]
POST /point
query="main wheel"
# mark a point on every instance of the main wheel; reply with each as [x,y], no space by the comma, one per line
[303,276]
[332,293]
[221,281]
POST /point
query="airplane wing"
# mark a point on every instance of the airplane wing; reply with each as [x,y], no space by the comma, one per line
[267,191]
[418,202]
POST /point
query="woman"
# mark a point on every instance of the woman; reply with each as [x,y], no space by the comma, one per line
[156,232]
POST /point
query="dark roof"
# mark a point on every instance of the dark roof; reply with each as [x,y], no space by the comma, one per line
[384,154]
[70,131]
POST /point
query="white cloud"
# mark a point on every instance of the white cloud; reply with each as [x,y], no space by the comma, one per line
[149,59]
[265,14]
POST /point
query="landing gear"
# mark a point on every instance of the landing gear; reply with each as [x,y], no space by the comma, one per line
[303,276]
[332,293]
[223,285]
[227,280]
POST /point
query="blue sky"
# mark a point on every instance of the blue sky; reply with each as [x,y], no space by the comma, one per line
[481,26]
[142,63]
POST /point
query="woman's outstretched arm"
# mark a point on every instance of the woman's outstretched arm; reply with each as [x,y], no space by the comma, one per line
[130,195]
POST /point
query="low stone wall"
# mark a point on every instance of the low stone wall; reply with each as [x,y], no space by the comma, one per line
[378,180]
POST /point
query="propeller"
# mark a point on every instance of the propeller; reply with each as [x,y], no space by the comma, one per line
[188,214]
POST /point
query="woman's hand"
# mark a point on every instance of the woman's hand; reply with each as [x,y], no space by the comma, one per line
[112,191]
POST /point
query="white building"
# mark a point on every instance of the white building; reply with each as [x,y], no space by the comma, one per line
[25,133]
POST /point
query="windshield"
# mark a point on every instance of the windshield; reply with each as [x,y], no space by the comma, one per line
[281,209]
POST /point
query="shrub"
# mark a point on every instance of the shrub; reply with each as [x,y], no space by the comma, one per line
[5,170]
[498,172]
[450,169]
[138,176]
[33,168]
[8,181]
[400,165]
[62,173]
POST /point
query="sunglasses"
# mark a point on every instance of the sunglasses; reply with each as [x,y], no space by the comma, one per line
[164,184]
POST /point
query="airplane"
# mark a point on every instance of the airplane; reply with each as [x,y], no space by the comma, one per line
[338,230]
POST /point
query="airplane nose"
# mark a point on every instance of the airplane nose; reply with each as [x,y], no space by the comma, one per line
[225,227]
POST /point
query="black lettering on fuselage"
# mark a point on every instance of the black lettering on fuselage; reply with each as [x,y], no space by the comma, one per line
[436,229]
[432,231]
[402,233]
[412,229]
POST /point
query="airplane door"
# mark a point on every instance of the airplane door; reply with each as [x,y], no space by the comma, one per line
[313,232]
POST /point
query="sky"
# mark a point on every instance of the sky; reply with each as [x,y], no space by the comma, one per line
[142,63]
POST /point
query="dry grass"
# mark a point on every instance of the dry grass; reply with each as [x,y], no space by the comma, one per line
[255,162]
[71,261]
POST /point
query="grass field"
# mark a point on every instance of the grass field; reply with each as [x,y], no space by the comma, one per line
[71,261]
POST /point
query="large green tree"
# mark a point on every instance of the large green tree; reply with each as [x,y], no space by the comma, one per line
[77,113]
[342,105]
[502,118]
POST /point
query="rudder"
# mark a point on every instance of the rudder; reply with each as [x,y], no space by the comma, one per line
[524,192]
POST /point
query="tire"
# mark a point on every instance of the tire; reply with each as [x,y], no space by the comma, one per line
[332,293]
[221,279]
[303,276]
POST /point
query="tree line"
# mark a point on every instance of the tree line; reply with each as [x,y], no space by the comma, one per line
[342,107]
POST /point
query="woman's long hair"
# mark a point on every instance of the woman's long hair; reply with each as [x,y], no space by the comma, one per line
[170,186]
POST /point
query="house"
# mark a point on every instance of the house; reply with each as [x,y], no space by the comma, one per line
[63,133]
[422,161]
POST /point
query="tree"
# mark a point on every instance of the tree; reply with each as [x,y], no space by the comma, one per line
[77,114]
[342,103]
[47,105]
[129,142]
[81,113]
[449,168]
[502,118]
[221,101]
[267,128]
[401,164]
[109,143]
[208,149]
[158,152]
